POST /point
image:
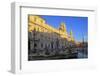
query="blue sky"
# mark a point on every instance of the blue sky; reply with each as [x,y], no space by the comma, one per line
[79,25]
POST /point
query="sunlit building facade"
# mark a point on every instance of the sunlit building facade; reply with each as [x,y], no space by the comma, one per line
[44,38]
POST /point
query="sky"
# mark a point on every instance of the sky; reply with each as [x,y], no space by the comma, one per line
[79,25]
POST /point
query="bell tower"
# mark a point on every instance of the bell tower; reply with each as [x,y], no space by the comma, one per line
[62,27]
[71,35]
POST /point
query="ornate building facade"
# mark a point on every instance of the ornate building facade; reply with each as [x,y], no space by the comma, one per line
[43,39]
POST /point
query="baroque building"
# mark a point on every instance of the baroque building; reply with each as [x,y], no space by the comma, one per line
[43,39]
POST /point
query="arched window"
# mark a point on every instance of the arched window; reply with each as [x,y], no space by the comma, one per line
[35,45]
[34,29]
[38,29]
[41,45]
[35,19]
